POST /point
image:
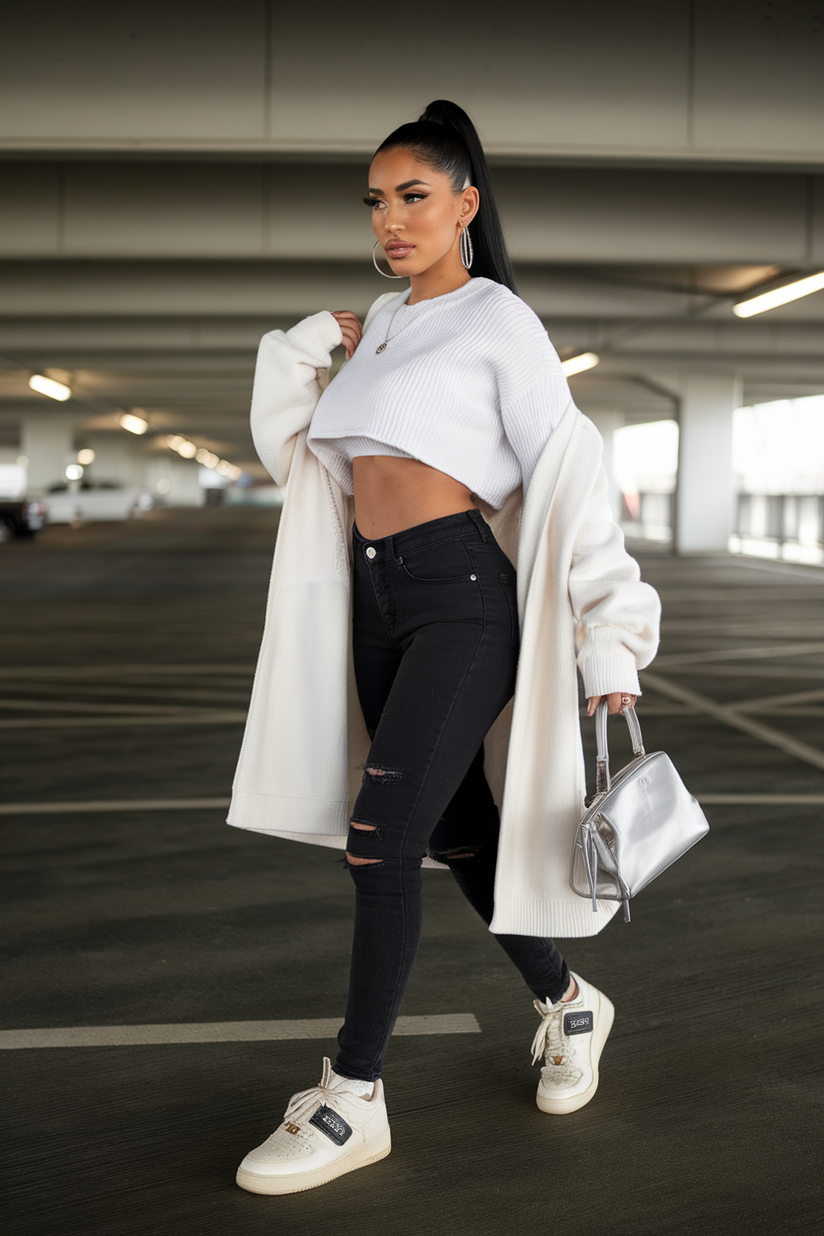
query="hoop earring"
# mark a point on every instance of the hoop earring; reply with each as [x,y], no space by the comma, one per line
[467,251]
[378,269]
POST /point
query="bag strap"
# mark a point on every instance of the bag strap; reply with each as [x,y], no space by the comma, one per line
[602,777]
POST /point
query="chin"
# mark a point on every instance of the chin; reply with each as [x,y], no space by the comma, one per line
[405,267]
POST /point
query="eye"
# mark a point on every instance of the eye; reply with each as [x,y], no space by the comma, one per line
[372,202]
[415,197]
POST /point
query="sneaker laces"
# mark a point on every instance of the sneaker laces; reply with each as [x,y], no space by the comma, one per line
[551,1043]
[306,1102]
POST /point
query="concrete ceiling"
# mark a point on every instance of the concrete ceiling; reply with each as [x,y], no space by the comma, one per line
[179,180]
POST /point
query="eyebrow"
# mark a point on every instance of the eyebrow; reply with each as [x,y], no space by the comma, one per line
[407,184]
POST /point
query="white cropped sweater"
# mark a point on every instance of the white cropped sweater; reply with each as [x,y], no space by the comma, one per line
[579,598]
[468,383]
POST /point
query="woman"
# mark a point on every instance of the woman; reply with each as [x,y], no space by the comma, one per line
[449,446]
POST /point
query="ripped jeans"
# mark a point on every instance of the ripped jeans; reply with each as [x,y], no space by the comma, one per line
[435,638]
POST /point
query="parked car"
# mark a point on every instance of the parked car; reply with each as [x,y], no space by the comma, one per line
[93,501]
[21,517]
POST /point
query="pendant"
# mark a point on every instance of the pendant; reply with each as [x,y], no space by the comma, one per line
[381,348]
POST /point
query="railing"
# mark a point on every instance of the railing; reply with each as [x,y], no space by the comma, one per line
[797,518]
[789,526]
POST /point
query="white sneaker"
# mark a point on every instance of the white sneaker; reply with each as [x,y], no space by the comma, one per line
[571,1038]
[326,1131]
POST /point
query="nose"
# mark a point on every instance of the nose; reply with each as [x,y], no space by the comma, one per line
[390,223]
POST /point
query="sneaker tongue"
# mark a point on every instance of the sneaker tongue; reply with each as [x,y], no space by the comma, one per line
[349,1085]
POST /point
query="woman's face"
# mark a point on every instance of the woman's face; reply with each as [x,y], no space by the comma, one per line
[415,214]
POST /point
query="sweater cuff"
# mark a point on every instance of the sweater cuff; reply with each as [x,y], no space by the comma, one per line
[607,666]
[317,335]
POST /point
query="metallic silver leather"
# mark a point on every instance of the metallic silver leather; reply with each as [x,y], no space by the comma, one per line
[640,821]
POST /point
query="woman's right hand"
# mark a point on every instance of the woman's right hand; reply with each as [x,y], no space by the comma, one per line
[350,329]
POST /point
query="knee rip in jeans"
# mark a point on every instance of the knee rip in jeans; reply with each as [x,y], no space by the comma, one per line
[372,832]
[456,855]
[375,774]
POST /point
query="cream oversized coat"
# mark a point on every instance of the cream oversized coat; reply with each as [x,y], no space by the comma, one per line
[579,594]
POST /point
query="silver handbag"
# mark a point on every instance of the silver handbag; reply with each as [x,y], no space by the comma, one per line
[639,822]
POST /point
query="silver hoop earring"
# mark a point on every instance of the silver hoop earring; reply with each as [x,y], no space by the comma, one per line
[378,269]
[467,252]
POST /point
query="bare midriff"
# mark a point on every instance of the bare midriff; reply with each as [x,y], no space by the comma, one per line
[392,494]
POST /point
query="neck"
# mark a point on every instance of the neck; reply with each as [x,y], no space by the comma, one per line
[437,281]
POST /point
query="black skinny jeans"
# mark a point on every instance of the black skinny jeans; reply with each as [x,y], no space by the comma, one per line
[435,649]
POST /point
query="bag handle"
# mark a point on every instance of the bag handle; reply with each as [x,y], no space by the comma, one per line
[602,777]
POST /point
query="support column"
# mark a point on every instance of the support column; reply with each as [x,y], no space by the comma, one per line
[119,457]
[606,423]
[704,494]
[47,441]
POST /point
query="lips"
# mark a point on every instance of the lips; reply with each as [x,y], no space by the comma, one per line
[398,248]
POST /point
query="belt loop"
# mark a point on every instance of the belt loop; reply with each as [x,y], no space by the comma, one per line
[479,521]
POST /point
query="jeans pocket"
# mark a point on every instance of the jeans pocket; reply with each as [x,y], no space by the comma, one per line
[508,583]
[443,562]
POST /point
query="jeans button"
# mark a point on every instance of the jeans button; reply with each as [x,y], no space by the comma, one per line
[371,551]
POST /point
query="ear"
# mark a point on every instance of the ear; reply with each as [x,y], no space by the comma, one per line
[470,201]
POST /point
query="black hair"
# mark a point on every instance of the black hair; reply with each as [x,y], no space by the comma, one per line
[445,137]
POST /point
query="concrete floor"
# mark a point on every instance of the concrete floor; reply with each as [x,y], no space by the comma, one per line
[127,653]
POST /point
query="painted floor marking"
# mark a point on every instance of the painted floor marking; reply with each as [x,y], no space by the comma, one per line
[223,1032]
[50,672]
[737,720]
[108,710]
[738,654]
[767,702]
[192,717]
[103,806]
[115,804]
[761,800]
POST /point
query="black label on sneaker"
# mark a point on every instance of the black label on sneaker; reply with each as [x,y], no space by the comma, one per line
[333,1125]
[577,1023]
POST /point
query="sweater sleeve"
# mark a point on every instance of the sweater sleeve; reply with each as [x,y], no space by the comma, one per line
[616,614]
[533,389]
[291,371]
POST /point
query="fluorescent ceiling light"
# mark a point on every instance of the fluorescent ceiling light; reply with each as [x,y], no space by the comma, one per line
[134,424]
[779,296]
[577,364]
[48,386]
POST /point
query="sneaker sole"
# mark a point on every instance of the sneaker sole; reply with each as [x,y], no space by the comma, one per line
[370,1152]
[562,1107]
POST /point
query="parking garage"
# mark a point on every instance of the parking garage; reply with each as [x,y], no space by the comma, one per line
[170,191]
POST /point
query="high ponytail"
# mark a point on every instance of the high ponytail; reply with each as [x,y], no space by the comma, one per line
[447,140]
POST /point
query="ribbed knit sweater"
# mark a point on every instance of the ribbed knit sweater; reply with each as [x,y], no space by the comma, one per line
[468,383]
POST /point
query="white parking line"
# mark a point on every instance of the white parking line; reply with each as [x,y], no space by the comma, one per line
[761,800]
[52,672]
[192,717]
[115,804]
[737,720]
[223,1032]
[102,806]
[738,654]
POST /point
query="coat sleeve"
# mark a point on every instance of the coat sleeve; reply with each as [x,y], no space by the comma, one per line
[291,371]
[616,615]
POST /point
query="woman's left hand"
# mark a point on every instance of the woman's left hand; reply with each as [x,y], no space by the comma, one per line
[617,701]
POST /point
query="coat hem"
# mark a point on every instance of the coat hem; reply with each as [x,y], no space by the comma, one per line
[515,916]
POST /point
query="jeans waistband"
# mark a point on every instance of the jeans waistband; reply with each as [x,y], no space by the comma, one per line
[470,522]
